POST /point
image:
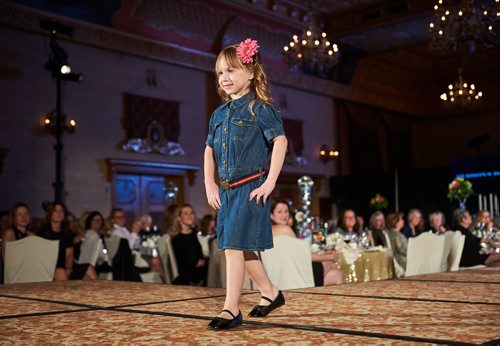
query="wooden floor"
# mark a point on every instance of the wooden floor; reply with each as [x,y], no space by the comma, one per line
[448,308]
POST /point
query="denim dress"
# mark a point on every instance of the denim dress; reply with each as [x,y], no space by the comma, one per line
[240,141]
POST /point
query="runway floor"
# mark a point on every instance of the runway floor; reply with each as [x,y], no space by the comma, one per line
[448,308]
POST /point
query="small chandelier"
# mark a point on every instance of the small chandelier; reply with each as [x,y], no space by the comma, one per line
[312,52]
[464,25]
[461,93]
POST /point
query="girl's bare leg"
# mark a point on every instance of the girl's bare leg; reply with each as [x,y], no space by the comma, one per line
[258,274]
[235,273]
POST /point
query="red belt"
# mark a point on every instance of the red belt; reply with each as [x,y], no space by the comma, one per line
[228,185]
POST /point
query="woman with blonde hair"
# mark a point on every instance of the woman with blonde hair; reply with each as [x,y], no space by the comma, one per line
[187,248]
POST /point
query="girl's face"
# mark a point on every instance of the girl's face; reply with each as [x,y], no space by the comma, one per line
[280,214]
[235,81]
[186,217]
[22,217]
[57,214]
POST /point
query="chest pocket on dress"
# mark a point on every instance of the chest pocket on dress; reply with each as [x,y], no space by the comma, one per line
[217,131]
[241,128]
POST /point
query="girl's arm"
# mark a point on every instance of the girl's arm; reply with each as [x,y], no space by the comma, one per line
[211,187]
[277,159]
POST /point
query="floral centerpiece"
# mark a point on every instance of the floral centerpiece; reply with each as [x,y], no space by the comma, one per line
[460,189]
[378,202]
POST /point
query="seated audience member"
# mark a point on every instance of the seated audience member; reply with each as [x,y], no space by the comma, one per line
[399,244]
[94,225]
[280,215]
[56,228]
[411,229]
[377,228]
[496,222]
[360,221]
[436,222]
[188,253]
[473,254]
[118,229]
[19,225]
[206,233]
[148,230]
[483,221]
[347,225]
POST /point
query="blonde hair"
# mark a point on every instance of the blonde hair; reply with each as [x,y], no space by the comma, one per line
[259,84]
[176,225]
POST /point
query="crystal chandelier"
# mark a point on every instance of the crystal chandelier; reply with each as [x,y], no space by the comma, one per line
[312,52]
[464,25]
[461,93]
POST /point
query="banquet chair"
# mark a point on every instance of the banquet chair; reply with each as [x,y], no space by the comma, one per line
[31,259]
[399,271]
[448,239]
[457,246]
[216,276]
[289,263]
[89,250]
[425,254]
[167,257]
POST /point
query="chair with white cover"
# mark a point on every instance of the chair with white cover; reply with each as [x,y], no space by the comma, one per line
[167,257]
[457,246]
[425,254]
[448,240]
[398,268]
[31,259]
[111,244]
[89,250]
[289,263]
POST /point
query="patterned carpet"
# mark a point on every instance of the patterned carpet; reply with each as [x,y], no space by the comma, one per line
[448,308]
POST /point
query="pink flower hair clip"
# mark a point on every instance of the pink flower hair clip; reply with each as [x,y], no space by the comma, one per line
[246,50]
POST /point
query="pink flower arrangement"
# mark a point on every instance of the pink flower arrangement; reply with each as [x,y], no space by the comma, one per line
[460,189]
[246,50]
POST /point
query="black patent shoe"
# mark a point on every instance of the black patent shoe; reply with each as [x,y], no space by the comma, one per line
[264,310]
[219,323]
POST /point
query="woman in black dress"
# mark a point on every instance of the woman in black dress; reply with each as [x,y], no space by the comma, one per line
[190,261]
[56,228]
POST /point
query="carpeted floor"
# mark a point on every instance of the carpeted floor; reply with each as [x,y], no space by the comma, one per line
[448,308]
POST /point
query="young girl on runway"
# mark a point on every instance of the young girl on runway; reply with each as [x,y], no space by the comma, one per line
[240,134]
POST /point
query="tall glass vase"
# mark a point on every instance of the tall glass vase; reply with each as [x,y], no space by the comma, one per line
[461,203]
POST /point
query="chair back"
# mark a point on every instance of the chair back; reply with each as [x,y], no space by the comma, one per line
[112,244]
[457,246]
[448,239]
[89,250]
[398,268]
[167,257]
[31,259]
[425,253]
[289,263]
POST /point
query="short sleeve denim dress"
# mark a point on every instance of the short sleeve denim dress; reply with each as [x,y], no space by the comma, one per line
[240,142]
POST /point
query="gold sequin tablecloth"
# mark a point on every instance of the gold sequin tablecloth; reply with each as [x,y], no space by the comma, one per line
[369,265]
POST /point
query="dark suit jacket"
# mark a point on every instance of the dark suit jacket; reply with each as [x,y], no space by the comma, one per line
[472,245]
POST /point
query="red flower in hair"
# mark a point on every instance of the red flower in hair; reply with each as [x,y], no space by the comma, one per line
[246,50]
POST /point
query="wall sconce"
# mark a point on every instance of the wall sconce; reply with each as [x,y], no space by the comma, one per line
[326,154]
[48,125]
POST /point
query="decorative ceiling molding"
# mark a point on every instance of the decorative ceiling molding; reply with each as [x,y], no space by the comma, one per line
[26,18]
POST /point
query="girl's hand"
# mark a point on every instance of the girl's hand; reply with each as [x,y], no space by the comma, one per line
[262,191]
[213,195]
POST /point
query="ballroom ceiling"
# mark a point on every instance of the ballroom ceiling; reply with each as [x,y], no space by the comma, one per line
[384,43]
